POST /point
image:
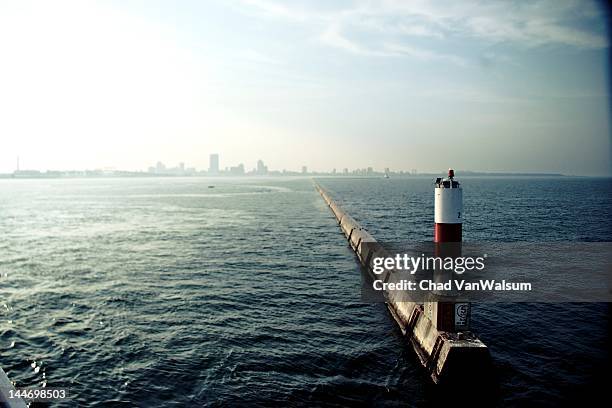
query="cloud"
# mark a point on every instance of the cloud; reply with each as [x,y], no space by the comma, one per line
[569,23]
[334,38]
[423,54]
[532,32]
[276,9]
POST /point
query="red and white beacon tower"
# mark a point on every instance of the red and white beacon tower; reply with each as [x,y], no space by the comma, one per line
[448,207]
[446,312]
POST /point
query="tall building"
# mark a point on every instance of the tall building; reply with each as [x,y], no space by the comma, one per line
[304,169]
[261,167]
[214,164]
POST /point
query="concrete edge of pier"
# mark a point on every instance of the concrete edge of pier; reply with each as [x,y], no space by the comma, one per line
[5,388]
[445,355]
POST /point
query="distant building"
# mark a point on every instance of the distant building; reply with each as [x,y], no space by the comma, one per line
[237,170]
[27,173]
[213,168]
[345,171]
[262,169]
[160,168]
[304,170]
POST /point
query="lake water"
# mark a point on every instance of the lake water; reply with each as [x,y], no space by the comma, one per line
[163,291]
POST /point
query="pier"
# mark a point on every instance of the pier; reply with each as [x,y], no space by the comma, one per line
[438,330]
[5,389]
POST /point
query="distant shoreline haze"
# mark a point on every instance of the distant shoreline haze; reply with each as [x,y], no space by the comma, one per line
[260,169]
[50,174]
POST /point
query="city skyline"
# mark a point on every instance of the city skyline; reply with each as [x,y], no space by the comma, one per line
[495,86]
[261,169]
[214,168]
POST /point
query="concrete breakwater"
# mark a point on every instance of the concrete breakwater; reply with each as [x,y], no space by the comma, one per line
[456,356]
[6,393]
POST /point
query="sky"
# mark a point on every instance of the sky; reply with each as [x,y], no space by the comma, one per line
[484,85]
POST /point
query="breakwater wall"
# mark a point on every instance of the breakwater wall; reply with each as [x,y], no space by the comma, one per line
[5,392]
[448,356]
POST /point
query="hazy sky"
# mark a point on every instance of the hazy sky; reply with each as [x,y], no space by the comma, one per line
[508,86]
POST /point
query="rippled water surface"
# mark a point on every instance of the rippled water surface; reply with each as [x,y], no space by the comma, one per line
[161,292]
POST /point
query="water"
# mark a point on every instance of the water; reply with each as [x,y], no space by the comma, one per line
[164,292]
